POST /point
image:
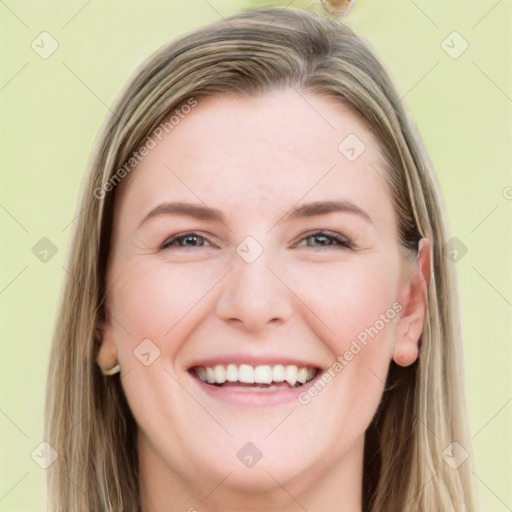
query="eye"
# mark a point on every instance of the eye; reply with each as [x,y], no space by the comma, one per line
[325,239]
[185,240]
[316,239]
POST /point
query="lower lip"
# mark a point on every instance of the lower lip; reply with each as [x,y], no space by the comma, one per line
[252,397]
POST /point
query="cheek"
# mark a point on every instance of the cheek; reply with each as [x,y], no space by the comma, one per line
[154,305]
[151,299]
[350,296]
[356,302]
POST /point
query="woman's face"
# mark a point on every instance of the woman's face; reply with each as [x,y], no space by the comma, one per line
[256,241]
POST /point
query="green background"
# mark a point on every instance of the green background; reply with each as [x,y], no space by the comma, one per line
[51,110]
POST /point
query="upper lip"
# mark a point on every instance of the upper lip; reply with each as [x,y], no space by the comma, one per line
[254,360]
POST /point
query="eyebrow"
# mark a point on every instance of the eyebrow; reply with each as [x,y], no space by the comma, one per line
[324,207]
[195,211]
[201,212]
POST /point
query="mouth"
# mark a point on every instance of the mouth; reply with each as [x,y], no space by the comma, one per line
[245,377]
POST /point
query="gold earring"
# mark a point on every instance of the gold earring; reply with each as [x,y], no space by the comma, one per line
[115,369]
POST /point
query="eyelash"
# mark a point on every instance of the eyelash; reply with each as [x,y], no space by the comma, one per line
[340,241]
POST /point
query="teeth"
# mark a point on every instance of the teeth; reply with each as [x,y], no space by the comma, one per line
[263,374]
[232,373]
[291,374]
[278,374]
[246,374]
[219,373]
[302,375]
[210,375]
[201,373]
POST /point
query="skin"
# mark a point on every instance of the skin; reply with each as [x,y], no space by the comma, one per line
[254,159]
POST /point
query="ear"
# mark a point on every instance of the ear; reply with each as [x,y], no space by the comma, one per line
[414,300]
[107,353]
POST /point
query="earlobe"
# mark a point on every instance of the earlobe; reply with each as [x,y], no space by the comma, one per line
[107,353]
[405,354]
[414,298]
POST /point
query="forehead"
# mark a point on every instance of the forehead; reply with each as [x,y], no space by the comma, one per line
[267,151]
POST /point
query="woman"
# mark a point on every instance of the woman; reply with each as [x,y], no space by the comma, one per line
[260,314]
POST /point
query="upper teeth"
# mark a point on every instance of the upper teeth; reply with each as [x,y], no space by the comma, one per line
[247,374]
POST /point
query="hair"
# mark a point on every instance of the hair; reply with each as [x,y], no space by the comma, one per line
[422,411]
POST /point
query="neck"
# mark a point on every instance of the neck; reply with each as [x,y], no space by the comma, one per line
[337,488]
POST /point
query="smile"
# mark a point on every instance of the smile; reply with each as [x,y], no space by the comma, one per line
[264,377]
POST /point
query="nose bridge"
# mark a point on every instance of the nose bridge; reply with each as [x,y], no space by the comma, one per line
[251,293]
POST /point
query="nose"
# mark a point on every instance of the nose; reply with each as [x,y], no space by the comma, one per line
[253,296]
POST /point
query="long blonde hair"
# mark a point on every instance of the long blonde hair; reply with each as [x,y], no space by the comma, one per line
[422,411]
